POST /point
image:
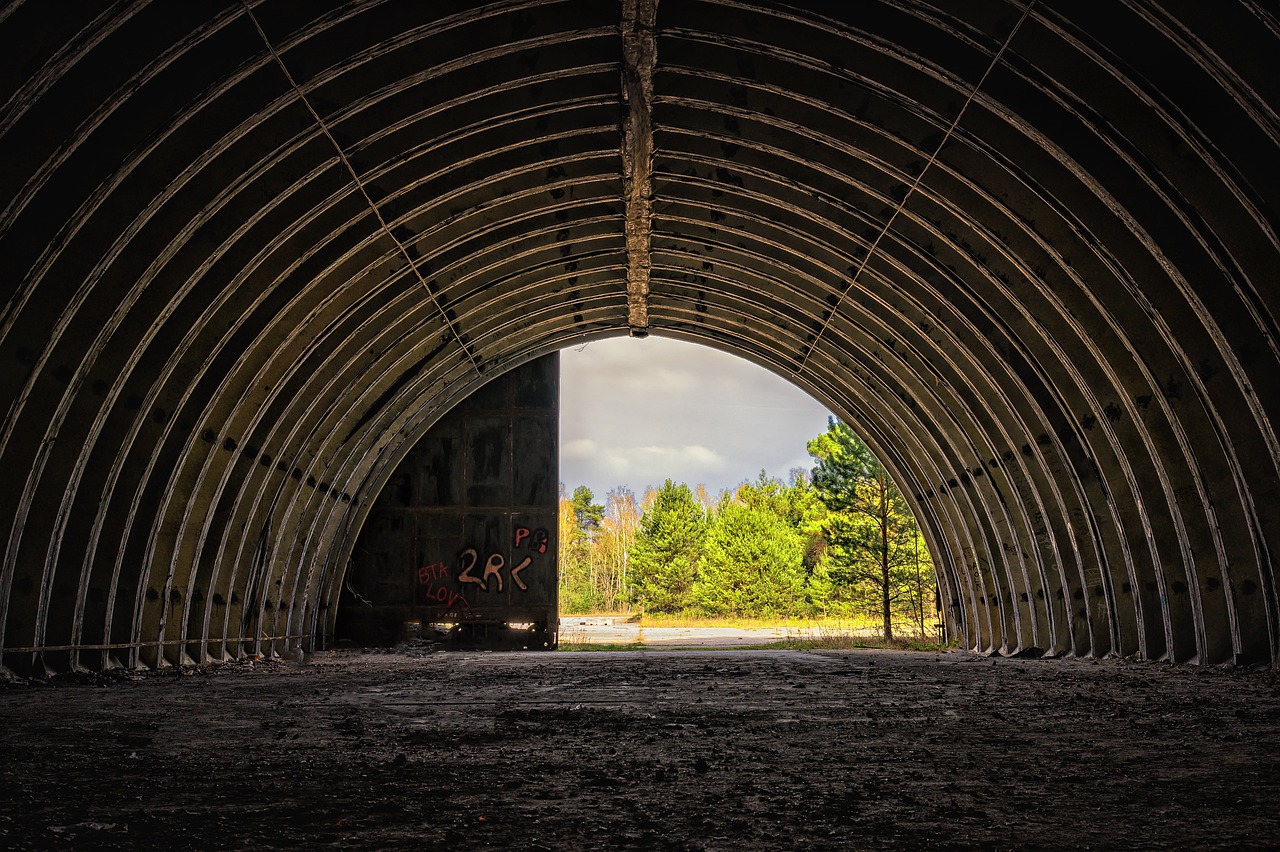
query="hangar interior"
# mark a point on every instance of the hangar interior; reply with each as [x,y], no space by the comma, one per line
[252,251]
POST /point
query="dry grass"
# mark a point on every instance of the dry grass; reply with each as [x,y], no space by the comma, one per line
[575,639]
[836,639]
[795,634]
[682,619]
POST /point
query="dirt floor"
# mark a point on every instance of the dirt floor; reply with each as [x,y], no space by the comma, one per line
[718,749]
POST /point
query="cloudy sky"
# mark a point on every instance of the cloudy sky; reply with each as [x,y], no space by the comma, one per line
[637,411]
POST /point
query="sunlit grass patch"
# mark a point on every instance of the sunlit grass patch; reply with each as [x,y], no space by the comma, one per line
[695,619]
[577,639]
[838,641]
[678,633]
[599,646]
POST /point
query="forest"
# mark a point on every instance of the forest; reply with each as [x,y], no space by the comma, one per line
[837,541]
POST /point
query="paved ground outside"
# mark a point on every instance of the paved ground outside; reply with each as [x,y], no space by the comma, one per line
[617,630]
[653,749]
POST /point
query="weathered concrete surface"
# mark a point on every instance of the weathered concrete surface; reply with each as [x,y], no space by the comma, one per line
[253,251]
[466,529]
[653,750]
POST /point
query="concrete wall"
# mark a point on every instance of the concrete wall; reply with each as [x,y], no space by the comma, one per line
[465,532]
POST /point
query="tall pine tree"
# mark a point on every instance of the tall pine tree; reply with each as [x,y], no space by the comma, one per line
[667,547]
[871,529]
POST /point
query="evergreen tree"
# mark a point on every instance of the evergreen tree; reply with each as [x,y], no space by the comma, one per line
[753,558]
[666,551]
[871,529]
[767,494]
[589,514]
[809,516]
[835,544]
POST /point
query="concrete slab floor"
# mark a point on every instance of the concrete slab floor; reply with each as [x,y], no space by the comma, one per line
[712,750]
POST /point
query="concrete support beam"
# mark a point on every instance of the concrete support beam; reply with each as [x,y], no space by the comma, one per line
[639,56]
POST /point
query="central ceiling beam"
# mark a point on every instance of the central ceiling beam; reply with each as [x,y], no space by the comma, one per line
[639,56]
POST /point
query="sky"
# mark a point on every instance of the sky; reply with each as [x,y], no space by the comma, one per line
[637,411]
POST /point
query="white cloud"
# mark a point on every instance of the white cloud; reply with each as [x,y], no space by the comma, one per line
[581,448]
[695,456]
[644,465]
[636,412]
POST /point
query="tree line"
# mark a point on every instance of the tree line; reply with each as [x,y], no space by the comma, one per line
[838,541]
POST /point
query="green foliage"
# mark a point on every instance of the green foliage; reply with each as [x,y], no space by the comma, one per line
[844,466]
[577,592]
[667,547]
[839,543]
[588,514]
[611,549]
[752,562]
[874,544]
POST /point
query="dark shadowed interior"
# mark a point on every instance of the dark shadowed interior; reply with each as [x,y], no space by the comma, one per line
[252,251]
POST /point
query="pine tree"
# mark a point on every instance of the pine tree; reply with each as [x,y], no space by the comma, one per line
[589,514]
[872,533]
[574,558]
[666,551]
[808,515]
[753,558]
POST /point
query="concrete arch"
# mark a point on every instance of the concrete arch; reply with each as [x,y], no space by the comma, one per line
[253,250]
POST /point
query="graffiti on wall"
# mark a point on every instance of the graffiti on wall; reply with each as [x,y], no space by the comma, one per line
[435,579]
[445,585]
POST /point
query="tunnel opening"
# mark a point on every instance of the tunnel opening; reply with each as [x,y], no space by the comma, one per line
[252,250]
[464,547]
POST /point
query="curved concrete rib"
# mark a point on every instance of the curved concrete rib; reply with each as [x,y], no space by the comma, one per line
[253,251]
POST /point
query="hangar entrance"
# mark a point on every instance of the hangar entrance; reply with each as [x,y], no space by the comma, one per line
[254,250]
[471,544]
[460,546]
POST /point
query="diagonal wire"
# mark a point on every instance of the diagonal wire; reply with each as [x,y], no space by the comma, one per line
[382,223]
[875,245]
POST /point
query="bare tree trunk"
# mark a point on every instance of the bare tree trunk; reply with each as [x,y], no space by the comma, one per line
[623,597]
[915,543]
[888,619]
[884,559]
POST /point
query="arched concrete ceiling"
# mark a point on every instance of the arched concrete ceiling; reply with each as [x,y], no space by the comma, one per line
[252,250]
